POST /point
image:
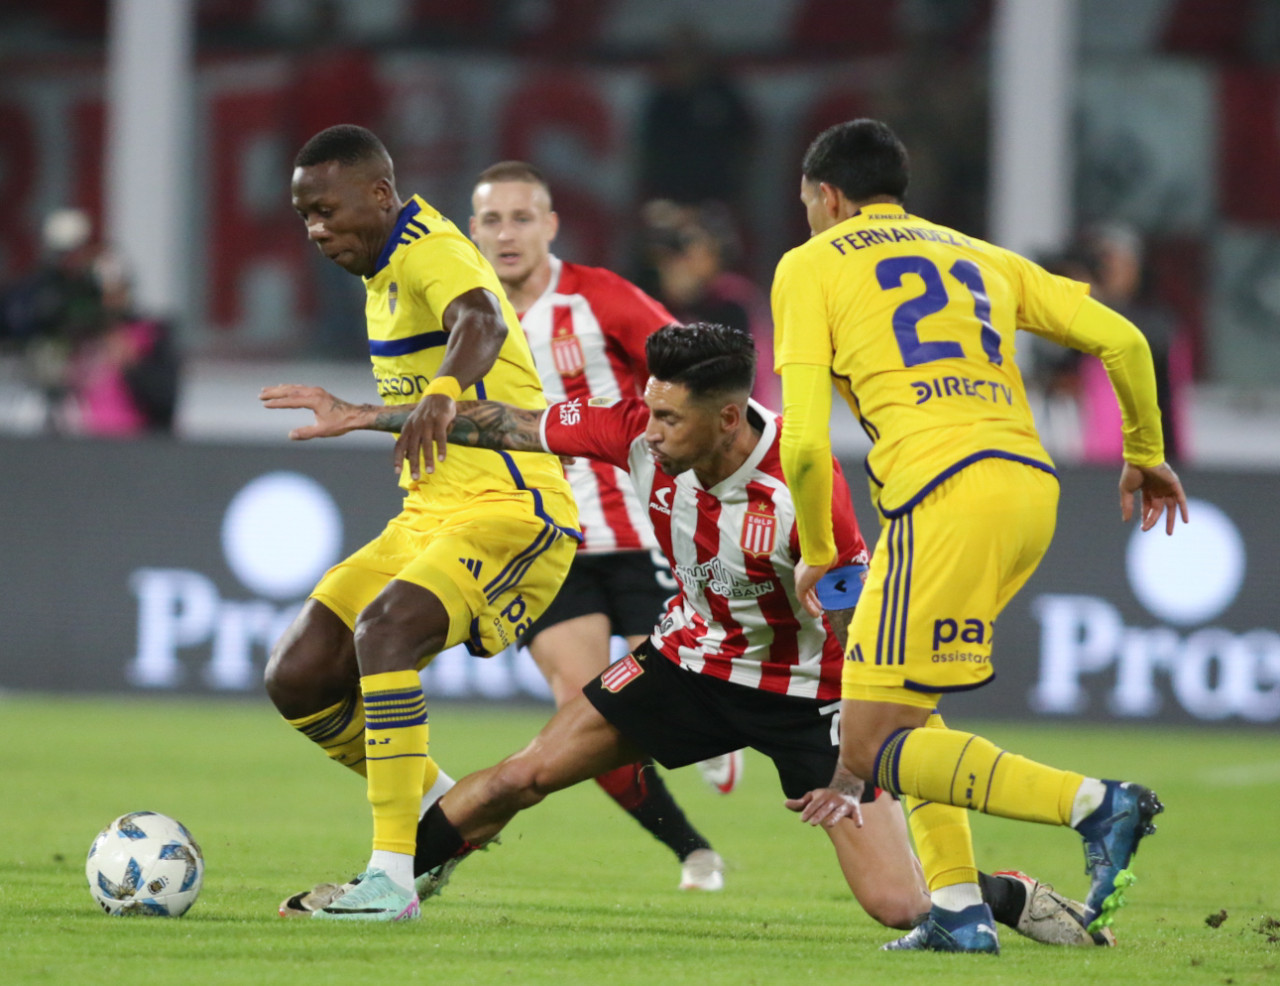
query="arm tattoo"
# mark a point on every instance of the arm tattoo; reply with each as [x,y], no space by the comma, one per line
[391,418]
[494,425]
[479,424]
[840,620]
[846,782]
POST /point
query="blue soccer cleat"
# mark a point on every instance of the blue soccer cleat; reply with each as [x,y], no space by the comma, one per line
[1111,835]
[970,930]
[374,897]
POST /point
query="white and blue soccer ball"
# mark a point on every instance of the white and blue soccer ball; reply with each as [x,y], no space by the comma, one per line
[145,863]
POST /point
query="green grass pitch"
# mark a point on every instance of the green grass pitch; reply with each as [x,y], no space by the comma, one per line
[577,893]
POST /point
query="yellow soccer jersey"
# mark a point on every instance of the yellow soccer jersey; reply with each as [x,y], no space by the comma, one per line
[916,322]
[426,264]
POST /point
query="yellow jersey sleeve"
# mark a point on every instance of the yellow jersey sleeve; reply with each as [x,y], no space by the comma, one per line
[1060,310]
[806,457]
[801,327]
[1047,302]
[1125,354]
[443,266]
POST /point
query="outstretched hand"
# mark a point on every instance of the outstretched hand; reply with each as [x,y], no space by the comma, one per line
[1161,493]
[334,416]
[825,806]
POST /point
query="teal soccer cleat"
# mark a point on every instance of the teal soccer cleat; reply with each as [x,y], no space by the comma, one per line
[1111,835]
[374,897]
[970,930]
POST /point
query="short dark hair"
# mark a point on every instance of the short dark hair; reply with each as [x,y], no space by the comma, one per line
[513,171]
[863,158]
[708,358]
[346,143]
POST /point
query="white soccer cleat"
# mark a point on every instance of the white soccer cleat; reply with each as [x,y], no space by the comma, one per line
[702,869]
[723,773]
[430,883]
[306,903]
[1052,919]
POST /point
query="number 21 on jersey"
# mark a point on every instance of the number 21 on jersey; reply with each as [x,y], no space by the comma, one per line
[907,316]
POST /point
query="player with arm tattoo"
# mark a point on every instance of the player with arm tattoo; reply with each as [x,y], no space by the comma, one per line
[735,660]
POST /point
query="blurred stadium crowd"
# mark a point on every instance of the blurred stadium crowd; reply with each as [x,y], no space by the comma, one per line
[671,133]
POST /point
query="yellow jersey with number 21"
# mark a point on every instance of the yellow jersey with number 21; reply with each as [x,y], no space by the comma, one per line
[916,322]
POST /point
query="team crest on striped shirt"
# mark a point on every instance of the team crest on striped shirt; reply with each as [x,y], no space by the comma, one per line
[566,350]
[620,673]
[392,294]
[759,529]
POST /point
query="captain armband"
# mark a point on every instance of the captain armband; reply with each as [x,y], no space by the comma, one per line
[841,587]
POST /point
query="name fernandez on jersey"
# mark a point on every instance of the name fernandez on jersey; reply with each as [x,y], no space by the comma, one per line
[863,238]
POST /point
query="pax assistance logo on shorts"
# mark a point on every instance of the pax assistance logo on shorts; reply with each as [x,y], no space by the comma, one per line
[619,674]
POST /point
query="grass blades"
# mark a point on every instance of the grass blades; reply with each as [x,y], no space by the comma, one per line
[577,892]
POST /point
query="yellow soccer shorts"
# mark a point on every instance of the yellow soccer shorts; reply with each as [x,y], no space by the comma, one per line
[495,565]
[940,575]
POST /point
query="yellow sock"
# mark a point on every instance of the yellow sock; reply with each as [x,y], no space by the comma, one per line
[962,769]
[396,748]
[338,730]
[430,774]
[941,836]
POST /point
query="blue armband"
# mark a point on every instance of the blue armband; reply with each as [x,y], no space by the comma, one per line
[841,587]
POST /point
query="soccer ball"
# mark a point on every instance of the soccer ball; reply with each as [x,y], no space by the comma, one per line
[145,863]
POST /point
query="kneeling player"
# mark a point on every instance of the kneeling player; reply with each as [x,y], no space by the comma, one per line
[735,661]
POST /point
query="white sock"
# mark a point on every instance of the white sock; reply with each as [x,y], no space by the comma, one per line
[956,897]
[1087,801]
[436,792]
[397,865]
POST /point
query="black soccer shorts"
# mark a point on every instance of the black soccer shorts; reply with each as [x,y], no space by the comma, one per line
[631,588]
[679,717]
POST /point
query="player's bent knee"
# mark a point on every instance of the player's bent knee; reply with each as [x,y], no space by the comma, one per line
[301,680]
[894,908]
[388,638]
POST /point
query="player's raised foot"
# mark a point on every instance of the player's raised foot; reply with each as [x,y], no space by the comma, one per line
[430,883]
[307,902]
[1111,835]
[375,897]
[1052,919]
[970,930]
[722,773]
[702,869]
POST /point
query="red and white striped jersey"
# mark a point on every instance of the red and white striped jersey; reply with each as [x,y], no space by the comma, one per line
[732,548]
[587,333]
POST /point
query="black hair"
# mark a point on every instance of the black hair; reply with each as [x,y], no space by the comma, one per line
[708,358]
[346,143]
[863,158]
